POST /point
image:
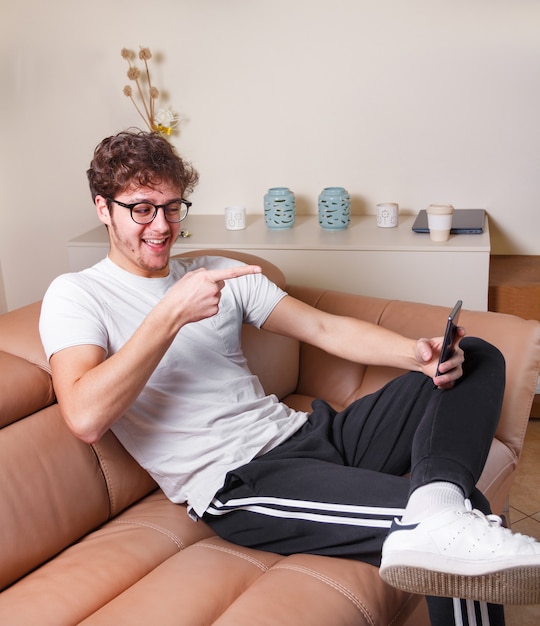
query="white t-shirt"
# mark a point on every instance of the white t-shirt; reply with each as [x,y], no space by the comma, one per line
[202,412]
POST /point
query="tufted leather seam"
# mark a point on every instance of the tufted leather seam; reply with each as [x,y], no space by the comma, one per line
[39,364]
[106,476]
[335,585]
[179,544]
[242,555]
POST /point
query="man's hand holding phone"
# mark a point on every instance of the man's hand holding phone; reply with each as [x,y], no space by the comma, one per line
[441,358]
[452,334]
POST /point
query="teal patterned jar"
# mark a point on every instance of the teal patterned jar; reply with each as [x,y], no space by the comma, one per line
[279,208]
[334,208]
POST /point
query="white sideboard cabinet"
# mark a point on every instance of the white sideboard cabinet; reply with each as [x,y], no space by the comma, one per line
[384,262]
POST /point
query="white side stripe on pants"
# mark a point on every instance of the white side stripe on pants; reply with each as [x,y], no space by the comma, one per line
[471,613]
[349,515]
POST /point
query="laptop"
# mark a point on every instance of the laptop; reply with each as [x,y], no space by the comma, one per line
[464,222]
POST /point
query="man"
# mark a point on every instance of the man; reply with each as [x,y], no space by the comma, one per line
[150,347]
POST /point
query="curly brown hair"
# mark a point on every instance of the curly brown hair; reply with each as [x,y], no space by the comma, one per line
[138,158]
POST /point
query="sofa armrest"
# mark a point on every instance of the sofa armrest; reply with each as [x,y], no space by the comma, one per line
[16,401]
[19,335]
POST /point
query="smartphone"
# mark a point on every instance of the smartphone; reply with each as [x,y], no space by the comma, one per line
[449,335]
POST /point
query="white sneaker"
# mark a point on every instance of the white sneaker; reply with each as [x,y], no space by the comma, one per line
[463,554]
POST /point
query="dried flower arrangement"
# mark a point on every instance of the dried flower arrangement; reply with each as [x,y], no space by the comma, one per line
[164,120]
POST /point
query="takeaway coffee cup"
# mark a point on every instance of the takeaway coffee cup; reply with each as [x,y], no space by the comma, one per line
[440,221]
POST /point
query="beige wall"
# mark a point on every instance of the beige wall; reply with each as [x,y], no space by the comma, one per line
[413,101]
[3,304]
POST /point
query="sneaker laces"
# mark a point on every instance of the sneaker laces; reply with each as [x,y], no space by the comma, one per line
[492,520]
[495,521]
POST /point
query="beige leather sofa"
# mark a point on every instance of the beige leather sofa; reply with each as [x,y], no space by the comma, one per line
[86,538]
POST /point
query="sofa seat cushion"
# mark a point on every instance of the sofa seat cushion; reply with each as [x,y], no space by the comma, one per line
[153,549]
[214,582]
[101,566]
[319,591]
[192,588]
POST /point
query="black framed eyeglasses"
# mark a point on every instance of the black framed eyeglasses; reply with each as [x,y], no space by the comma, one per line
[145,212]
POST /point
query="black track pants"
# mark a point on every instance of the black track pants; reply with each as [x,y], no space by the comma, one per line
[335,486]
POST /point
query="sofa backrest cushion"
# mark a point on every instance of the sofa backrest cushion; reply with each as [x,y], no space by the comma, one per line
[51,489]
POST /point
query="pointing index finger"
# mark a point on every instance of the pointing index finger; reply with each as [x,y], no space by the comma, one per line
[234,272]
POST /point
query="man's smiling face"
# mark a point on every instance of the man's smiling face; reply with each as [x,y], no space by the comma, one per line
[142,249]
